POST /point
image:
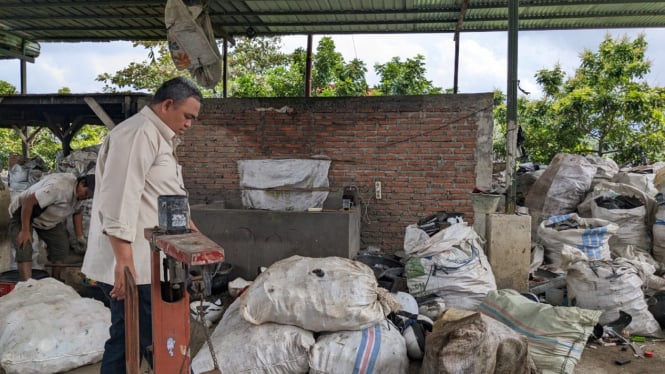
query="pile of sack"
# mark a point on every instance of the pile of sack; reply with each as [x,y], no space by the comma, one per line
[316,315]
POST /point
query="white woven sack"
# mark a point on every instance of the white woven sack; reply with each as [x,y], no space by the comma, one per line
[463,287]
[378,349]
[243,348]
[609,286]
[317,294]
[63,331]
[188,42]
[659,235]
[557,335]
[591,237]
[641,181]
[633,223]
[560,189]
[459,235]
[450,264]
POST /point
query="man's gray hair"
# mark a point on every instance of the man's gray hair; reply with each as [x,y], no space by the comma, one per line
[177,89]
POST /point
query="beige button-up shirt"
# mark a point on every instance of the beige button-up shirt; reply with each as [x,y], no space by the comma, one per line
[136,164]
[56,193]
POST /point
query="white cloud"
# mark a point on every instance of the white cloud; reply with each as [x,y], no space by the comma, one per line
[73,65]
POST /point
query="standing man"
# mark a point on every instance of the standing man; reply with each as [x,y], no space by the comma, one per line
[45,206]
[136,164]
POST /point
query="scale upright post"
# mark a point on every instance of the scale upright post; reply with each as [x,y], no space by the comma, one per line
[170,298]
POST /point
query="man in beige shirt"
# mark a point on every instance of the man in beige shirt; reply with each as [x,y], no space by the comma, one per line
[136,164]
[44,207]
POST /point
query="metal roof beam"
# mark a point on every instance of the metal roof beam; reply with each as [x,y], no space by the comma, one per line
[84,4]
[452,18]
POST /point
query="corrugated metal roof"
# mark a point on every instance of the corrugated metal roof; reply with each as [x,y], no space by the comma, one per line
[103,20]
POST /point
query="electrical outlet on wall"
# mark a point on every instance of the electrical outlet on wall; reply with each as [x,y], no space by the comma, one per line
[377,190]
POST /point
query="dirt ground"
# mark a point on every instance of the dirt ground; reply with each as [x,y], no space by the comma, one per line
[602,360]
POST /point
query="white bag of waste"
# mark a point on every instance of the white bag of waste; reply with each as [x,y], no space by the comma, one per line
[557,335]
[627,207]
[243,348]
[317,294]
[46,327]
[659,234]
[451,264]
[589,235]
[560,189]
[609,286]
[378,349]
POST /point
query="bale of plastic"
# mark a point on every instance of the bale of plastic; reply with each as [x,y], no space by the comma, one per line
[475,343]
[241,347]
[317,294]
[46,327]
[376,349]
[557,335]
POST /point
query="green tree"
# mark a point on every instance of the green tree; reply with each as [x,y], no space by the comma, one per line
[89,135]
[352,80]
[606,108]
[7,88]
[10,145]
[404,78]
[252,64]
[256,56]
[327,64]
[289,81]
[146,75]
[8,137]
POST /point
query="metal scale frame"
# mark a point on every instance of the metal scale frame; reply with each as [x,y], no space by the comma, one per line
[170,298]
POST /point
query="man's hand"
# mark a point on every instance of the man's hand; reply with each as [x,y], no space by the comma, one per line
[118,290]
[82,241]
[23,238]
[123,258]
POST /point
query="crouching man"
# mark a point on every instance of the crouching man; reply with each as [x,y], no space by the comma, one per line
[45,206]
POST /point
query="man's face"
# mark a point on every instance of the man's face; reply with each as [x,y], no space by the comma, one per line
[82,192]
[179,117]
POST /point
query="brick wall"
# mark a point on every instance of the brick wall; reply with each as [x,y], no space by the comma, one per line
[423,149]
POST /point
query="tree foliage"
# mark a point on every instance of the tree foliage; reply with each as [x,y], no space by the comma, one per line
[405,78]
[258,68]
[605,108]
[7,88]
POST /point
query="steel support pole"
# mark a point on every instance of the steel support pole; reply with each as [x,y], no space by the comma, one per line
[511,105]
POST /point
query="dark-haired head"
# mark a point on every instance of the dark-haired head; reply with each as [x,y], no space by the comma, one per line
[85,186]
[177,89]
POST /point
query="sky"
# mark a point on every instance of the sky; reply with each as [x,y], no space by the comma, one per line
[482,60]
